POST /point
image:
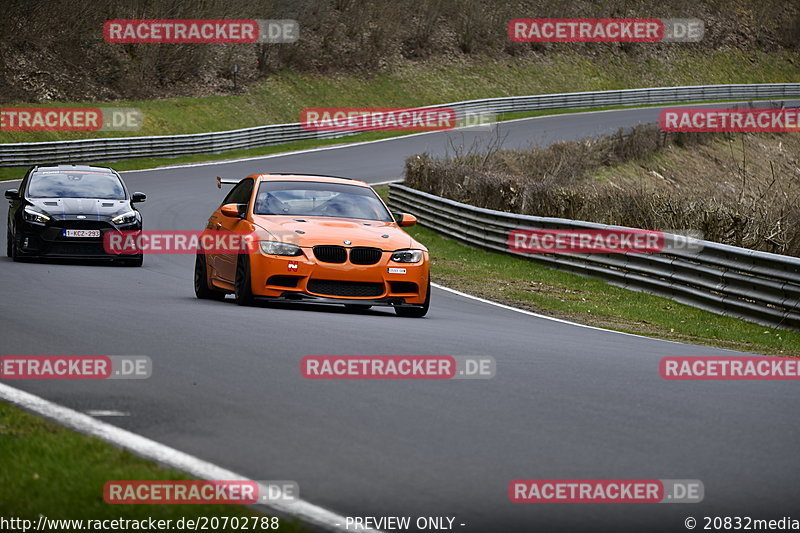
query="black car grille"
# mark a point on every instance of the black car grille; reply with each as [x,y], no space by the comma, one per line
[283,281]
[76,248]
[360,255]
[352,289]
[83,224]
[402,287]
[365,256]
[330,254]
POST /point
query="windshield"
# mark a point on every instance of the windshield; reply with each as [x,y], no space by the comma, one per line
[312,198]
[59,184]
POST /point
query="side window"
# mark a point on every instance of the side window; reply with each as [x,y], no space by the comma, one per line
[240,194]
[246,193]
[230,197]
[24,184]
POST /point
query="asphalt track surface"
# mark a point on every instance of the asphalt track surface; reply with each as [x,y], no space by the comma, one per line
[568,402]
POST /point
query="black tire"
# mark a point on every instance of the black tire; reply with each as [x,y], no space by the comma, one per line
[243,285]
[201,288]
[11,248]
[357,307]
[416,311]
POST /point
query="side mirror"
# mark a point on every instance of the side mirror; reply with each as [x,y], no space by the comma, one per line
[12,194]
[138,197]
[232,210]
[405,220]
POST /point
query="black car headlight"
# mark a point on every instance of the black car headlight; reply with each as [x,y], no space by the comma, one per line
[407,256]
[125,218]
[278,248]
[32,214]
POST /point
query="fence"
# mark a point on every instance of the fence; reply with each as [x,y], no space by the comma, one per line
[757,286]
[22,154]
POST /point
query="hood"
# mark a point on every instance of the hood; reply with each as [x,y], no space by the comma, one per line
[66,207]
[324,230]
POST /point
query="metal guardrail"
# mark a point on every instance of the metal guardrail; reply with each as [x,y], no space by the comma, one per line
[757,286]
[22,154]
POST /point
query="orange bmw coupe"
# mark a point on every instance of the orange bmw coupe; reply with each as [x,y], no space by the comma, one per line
[317,239]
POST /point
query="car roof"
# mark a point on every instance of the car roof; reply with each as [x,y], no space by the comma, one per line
[277,176]
[73,168]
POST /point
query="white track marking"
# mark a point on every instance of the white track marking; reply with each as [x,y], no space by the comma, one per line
[387,182]
[170,457]
[101,412]
[537,315]
[149,449]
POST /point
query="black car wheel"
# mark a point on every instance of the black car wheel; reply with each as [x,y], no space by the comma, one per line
[201,288]
[11,247]
[416,311]
[243,285]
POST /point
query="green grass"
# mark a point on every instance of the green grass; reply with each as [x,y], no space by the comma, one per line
[280,98]
[49,470]
[523,283]
[8,173]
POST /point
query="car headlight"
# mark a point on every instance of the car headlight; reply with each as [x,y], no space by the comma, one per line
[278,248]
[125,218]
[407,256]
[32,215]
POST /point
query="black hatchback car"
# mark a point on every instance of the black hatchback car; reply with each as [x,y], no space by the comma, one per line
[62,211]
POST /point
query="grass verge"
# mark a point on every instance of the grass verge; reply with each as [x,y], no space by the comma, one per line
[10,173]
[525,284]
[280,98]
[53,471]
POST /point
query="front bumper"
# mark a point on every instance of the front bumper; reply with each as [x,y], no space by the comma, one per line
[37,240]
[295,296]
[303,278]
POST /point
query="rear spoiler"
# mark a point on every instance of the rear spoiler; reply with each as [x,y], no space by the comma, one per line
[227,181]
